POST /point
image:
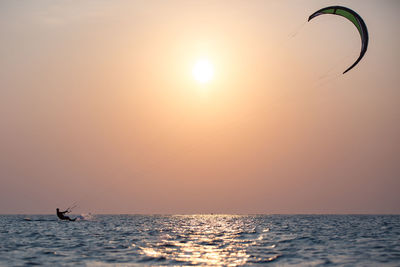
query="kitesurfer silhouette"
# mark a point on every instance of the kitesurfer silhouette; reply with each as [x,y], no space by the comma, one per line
[60,214]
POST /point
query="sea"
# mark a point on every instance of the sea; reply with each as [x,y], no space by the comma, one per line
[211,240]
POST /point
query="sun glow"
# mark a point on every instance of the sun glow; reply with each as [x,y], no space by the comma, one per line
[203,71]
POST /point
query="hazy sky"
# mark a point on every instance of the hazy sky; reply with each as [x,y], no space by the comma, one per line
[98,106]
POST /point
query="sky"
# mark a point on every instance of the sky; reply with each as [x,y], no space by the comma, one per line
[99,107]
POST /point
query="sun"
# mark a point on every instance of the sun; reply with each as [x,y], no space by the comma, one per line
[203,71]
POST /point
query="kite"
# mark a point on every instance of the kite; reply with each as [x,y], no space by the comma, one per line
[355,19]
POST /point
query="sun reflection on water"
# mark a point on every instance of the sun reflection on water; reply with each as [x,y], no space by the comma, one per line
[205,239]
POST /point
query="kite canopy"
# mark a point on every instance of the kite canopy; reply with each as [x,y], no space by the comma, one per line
[355,19]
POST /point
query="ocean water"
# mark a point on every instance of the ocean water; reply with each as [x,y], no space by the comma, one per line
[221,240]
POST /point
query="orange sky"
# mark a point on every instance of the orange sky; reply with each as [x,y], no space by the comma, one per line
[98,106]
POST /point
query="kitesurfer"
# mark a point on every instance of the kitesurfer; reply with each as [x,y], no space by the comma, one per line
[61,215]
